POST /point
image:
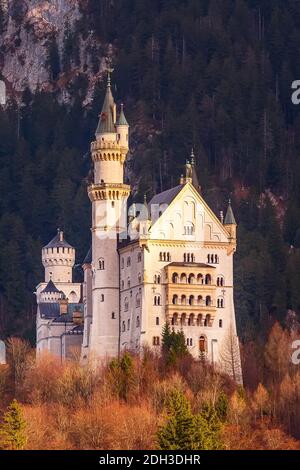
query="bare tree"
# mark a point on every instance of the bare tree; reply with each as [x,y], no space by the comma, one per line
[230,355]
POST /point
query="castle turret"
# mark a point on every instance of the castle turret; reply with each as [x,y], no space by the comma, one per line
[109,197]
[58,258]
[230,223]
[50,293]
[122,130]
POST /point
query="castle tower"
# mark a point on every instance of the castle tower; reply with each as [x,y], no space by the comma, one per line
[108,195]
[58,258]
[230,224]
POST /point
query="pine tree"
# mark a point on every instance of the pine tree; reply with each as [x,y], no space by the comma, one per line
[179,431]
[13,430]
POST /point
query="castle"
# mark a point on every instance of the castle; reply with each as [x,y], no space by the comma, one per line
[168,260]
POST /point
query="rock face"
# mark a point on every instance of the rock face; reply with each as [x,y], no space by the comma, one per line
[28,28]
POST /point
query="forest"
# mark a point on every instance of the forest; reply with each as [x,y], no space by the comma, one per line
[214,75]
[168,401]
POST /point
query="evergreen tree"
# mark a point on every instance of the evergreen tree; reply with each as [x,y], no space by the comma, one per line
[13,430]
[179,431]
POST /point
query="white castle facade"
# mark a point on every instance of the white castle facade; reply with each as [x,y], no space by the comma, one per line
[170,260]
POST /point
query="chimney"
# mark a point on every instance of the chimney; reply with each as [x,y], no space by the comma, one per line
[63,306]
[77,317]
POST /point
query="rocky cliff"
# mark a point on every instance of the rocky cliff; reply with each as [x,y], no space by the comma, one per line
[29,32]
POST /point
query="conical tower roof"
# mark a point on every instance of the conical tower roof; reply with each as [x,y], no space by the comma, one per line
[122,119]
[106,122]
[229,217]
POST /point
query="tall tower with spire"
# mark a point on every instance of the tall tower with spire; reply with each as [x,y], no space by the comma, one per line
[108,195]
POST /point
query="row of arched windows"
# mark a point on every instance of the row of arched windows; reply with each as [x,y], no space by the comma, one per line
[189,229]
[164,256]
[191,279]
[189,258]
[213,259]
[191,300]
[191,320]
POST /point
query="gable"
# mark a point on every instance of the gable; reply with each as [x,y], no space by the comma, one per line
[186,217]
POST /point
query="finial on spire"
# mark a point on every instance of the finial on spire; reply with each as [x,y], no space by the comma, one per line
[109,72]
[192,157]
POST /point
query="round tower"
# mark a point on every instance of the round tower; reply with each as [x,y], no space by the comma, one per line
[58,258]
[108,195]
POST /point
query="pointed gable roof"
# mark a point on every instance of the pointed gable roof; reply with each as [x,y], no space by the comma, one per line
[51,288]
[166,197]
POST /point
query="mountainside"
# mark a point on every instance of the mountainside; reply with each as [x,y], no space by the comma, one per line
[212,74]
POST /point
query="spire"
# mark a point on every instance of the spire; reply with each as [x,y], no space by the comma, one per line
[122,119]
[106,122]
[229,217]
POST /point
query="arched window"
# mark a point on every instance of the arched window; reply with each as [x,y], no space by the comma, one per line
[202,344]
[101,263]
